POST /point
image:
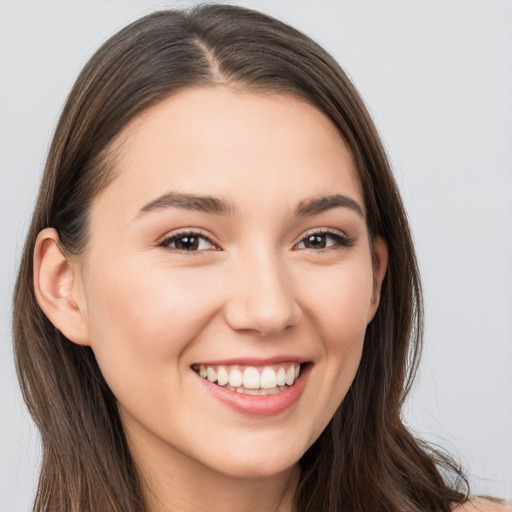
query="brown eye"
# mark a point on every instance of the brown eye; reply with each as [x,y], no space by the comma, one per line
[188,242]
[315,242]
[324,240]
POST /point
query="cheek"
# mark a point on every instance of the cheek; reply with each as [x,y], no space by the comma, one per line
[341,304]
[142,318]
[340,314]
[147,303]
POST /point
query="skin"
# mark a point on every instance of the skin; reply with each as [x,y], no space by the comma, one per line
[484,505]
[150,310]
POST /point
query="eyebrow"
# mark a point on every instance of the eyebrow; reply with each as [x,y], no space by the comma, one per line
[193,202]
[217,206]
[321,204]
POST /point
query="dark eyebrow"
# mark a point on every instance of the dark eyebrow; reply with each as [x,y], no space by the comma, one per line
[321,204]
[216,206]
[198,203]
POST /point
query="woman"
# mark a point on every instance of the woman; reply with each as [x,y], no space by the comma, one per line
[219,293]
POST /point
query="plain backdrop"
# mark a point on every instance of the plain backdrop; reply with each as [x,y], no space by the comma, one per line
[437,78]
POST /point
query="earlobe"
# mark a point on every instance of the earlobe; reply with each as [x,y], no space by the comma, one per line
[380,265]
[57,289]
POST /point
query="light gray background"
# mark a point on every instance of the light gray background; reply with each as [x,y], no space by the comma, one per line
[437,77]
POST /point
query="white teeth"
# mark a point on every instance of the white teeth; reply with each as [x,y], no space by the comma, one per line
[261,391]
[281,377]
[235,378]
[222,376]
[268,378]
[272,379]
[290,376]
[211,374]
[251,378]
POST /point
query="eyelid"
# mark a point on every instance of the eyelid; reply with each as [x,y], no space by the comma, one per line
[343,240]
[173,235]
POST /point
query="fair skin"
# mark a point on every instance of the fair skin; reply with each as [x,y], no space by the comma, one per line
[483,505]
[262,278]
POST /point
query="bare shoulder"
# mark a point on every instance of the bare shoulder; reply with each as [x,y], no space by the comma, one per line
[484,505]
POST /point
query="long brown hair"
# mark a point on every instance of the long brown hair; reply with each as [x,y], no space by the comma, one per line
[365,460]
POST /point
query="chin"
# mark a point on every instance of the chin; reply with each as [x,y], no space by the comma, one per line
[245,466]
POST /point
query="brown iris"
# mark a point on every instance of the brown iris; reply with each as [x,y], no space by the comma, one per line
[315,242]
[187,243]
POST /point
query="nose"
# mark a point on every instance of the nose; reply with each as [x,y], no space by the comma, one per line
[261,297]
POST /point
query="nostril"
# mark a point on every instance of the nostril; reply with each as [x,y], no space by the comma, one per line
[263,319]
[261,298]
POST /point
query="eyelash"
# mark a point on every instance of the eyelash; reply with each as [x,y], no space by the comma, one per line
[341,241]
[166,242]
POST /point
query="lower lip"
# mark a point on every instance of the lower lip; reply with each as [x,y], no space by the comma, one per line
[260,405]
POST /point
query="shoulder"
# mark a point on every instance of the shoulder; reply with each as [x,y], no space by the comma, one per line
[483,505]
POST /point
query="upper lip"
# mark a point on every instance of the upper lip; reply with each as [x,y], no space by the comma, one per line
[256,361]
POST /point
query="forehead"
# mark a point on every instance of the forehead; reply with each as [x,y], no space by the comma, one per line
[217,141]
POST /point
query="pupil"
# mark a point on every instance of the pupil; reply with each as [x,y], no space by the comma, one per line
[187,243]
[316,241]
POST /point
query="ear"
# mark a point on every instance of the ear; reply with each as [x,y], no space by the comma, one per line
[58,288]
[380,265]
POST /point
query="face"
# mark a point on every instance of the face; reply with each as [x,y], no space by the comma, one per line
[229,279]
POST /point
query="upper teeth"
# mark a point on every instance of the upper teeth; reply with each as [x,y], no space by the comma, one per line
[251,377]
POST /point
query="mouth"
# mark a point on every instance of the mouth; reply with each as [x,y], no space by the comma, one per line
[256,380]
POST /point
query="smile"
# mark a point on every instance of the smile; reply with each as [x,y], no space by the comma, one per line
[251,380]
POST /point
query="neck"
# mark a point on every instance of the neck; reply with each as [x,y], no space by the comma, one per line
[173,481]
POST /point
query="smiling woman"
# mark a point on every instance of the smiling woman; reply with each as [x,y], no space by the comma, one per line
[191,309]
[219,294]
